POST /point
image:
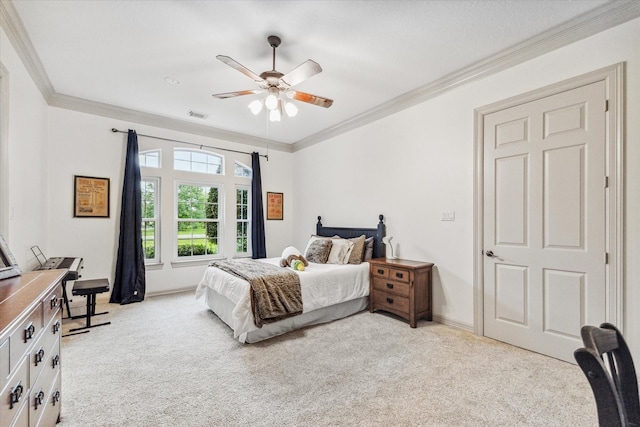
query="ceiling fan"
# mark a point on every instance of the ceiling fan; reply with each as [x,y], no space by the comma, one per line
[277,84]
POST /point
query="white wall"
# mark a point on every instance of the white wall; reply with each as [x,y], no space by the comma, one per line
[25,128]
[83,144]
[419,162]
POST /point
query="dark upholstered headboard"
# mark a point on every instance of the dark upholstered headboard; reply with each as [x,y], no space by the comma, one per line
[347,232]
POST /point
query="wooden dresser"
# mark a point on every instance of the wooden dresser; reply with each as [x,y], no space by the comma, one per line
[401,287]
[30,330]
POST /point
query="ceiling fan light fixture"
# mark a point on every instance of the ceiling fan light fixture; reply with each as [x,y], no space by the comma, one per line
[256,107]
[290,109]
[274,115]
[271,101]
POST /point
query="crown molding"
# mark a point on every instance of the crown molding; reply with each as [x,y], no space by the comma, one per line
[585,25]
[597,20]
[12,25]
[120,113]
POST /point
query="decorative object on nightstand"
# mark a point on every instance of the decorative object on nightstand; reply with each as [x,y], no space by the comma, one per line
[387,241]
[401,287]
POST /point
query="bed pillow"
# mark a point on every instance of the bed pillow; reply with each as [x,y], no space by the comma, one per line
[340,251]
[357,253]
[312,239]
[368,249]
[318,250]
[288,251]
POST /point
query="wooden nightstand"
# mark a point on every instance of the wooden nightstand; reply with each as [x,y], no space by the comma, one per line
[401,287]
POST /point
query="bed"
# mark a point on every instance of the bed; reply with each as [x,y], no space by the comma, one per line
[329,291]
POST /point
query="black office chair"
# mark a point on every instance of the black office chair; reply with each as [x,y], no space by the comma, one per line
[608,365]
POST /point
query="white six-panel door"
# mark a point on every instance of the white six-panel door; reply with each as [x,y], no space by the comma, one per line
[545,220]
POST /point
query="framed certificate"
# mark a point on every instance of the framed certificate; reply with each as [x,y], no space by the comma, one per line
[90,197]
[275,207]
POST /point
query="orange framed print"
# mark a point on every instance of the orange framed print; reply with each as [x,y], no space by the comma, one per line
[90,197]
[275,206]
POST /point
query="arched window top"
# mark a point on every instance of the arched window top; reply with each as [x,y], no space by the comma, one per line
[150,158]
[241,170]
[198,161]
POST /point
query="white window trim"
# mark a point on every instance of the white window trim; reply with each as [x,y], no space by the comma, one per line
[157,260]
[221,222]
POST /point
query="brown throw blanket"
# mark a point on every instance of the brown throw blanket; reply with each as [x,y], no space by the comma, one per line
[275,292]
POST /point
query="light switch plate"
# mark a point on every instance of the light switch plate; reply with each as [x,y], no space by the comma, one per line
[448,216]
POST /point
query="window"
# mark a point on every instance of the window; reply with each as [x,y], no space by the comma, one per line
[198,225]
[242,170]
[243,220]
[150,219]
[150,159]
[198,161]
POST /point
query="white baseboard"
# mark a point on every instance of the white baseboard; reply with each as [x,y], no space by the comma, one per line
[453,323]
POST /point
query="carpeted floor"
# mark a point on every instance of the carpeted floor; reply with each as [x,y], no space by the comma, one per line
[169,361]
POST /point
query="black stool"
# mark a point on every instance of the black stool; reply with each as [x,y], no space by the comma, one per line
[89,289]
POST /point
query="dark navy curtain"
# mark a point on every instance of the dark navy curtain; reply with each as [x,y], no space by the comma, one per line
[257,216]
[130,283]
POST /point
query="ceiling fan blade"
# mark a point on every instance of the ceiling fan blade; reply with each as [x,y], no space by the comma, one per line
[237,93]
[301,73]
[238,66]
[310,99]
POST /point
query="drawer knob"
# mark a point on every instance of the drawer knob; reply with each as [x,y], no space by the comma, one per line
[399,275]
[390,285]
[390,300]
[56,326]
[54,302]
[28,332]
[16,394]
[55,398]
[38,399]
[380,271]
[55,360]
[39,356]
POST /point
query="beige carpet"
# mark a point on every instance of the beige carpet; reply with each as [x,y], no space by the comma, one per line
[169,361]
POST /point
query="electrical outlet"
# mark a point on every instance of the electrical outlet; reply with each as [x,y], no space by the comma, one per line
[448,216]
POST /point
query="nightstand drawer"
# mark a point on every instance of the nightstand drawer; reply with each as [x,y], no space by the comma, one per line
[391,286]
[379,271]
[399,275]
[391,302]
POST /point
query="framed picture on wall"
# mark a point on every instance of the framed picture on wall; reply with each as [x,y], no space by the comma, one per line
[275,206]
[90,197]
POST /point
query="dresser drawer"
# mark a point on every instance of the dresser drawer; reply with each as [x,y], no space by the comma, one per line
[379,271]
[51,407]
[52,303]
[48,343]
[391,302]
[391,286]
[399,275]
[4,363]
[15,393]
[24,335]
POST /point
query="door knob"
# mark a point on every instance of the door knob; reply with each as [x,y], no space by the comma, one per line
[490,254]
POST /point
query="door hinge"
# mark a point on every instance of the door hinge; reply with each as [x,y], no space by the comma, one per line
[606,105]
[606,182]
[606,257]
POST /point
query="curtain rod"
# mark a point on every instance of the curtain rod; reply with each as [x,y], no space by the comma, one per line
[266,156]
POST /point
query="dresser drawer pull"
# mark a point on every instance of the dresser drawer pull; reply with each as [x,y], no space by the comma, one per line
[39,356]
[16,394]
[54,302]
[55,360]
[55,398]
[38,399]
[28,332]
[399,275]
[380,271]
[56,327]
[390,285]
[390,300]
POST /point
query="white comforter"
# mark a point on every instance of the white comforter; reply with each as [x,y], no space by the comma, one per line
[322,285]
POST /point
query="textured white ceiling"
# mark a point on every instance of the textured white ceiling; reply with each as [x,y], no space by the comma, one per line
[119,52]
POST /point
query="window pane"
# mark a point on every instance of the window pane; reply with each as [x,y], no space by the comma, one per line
[196,161]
